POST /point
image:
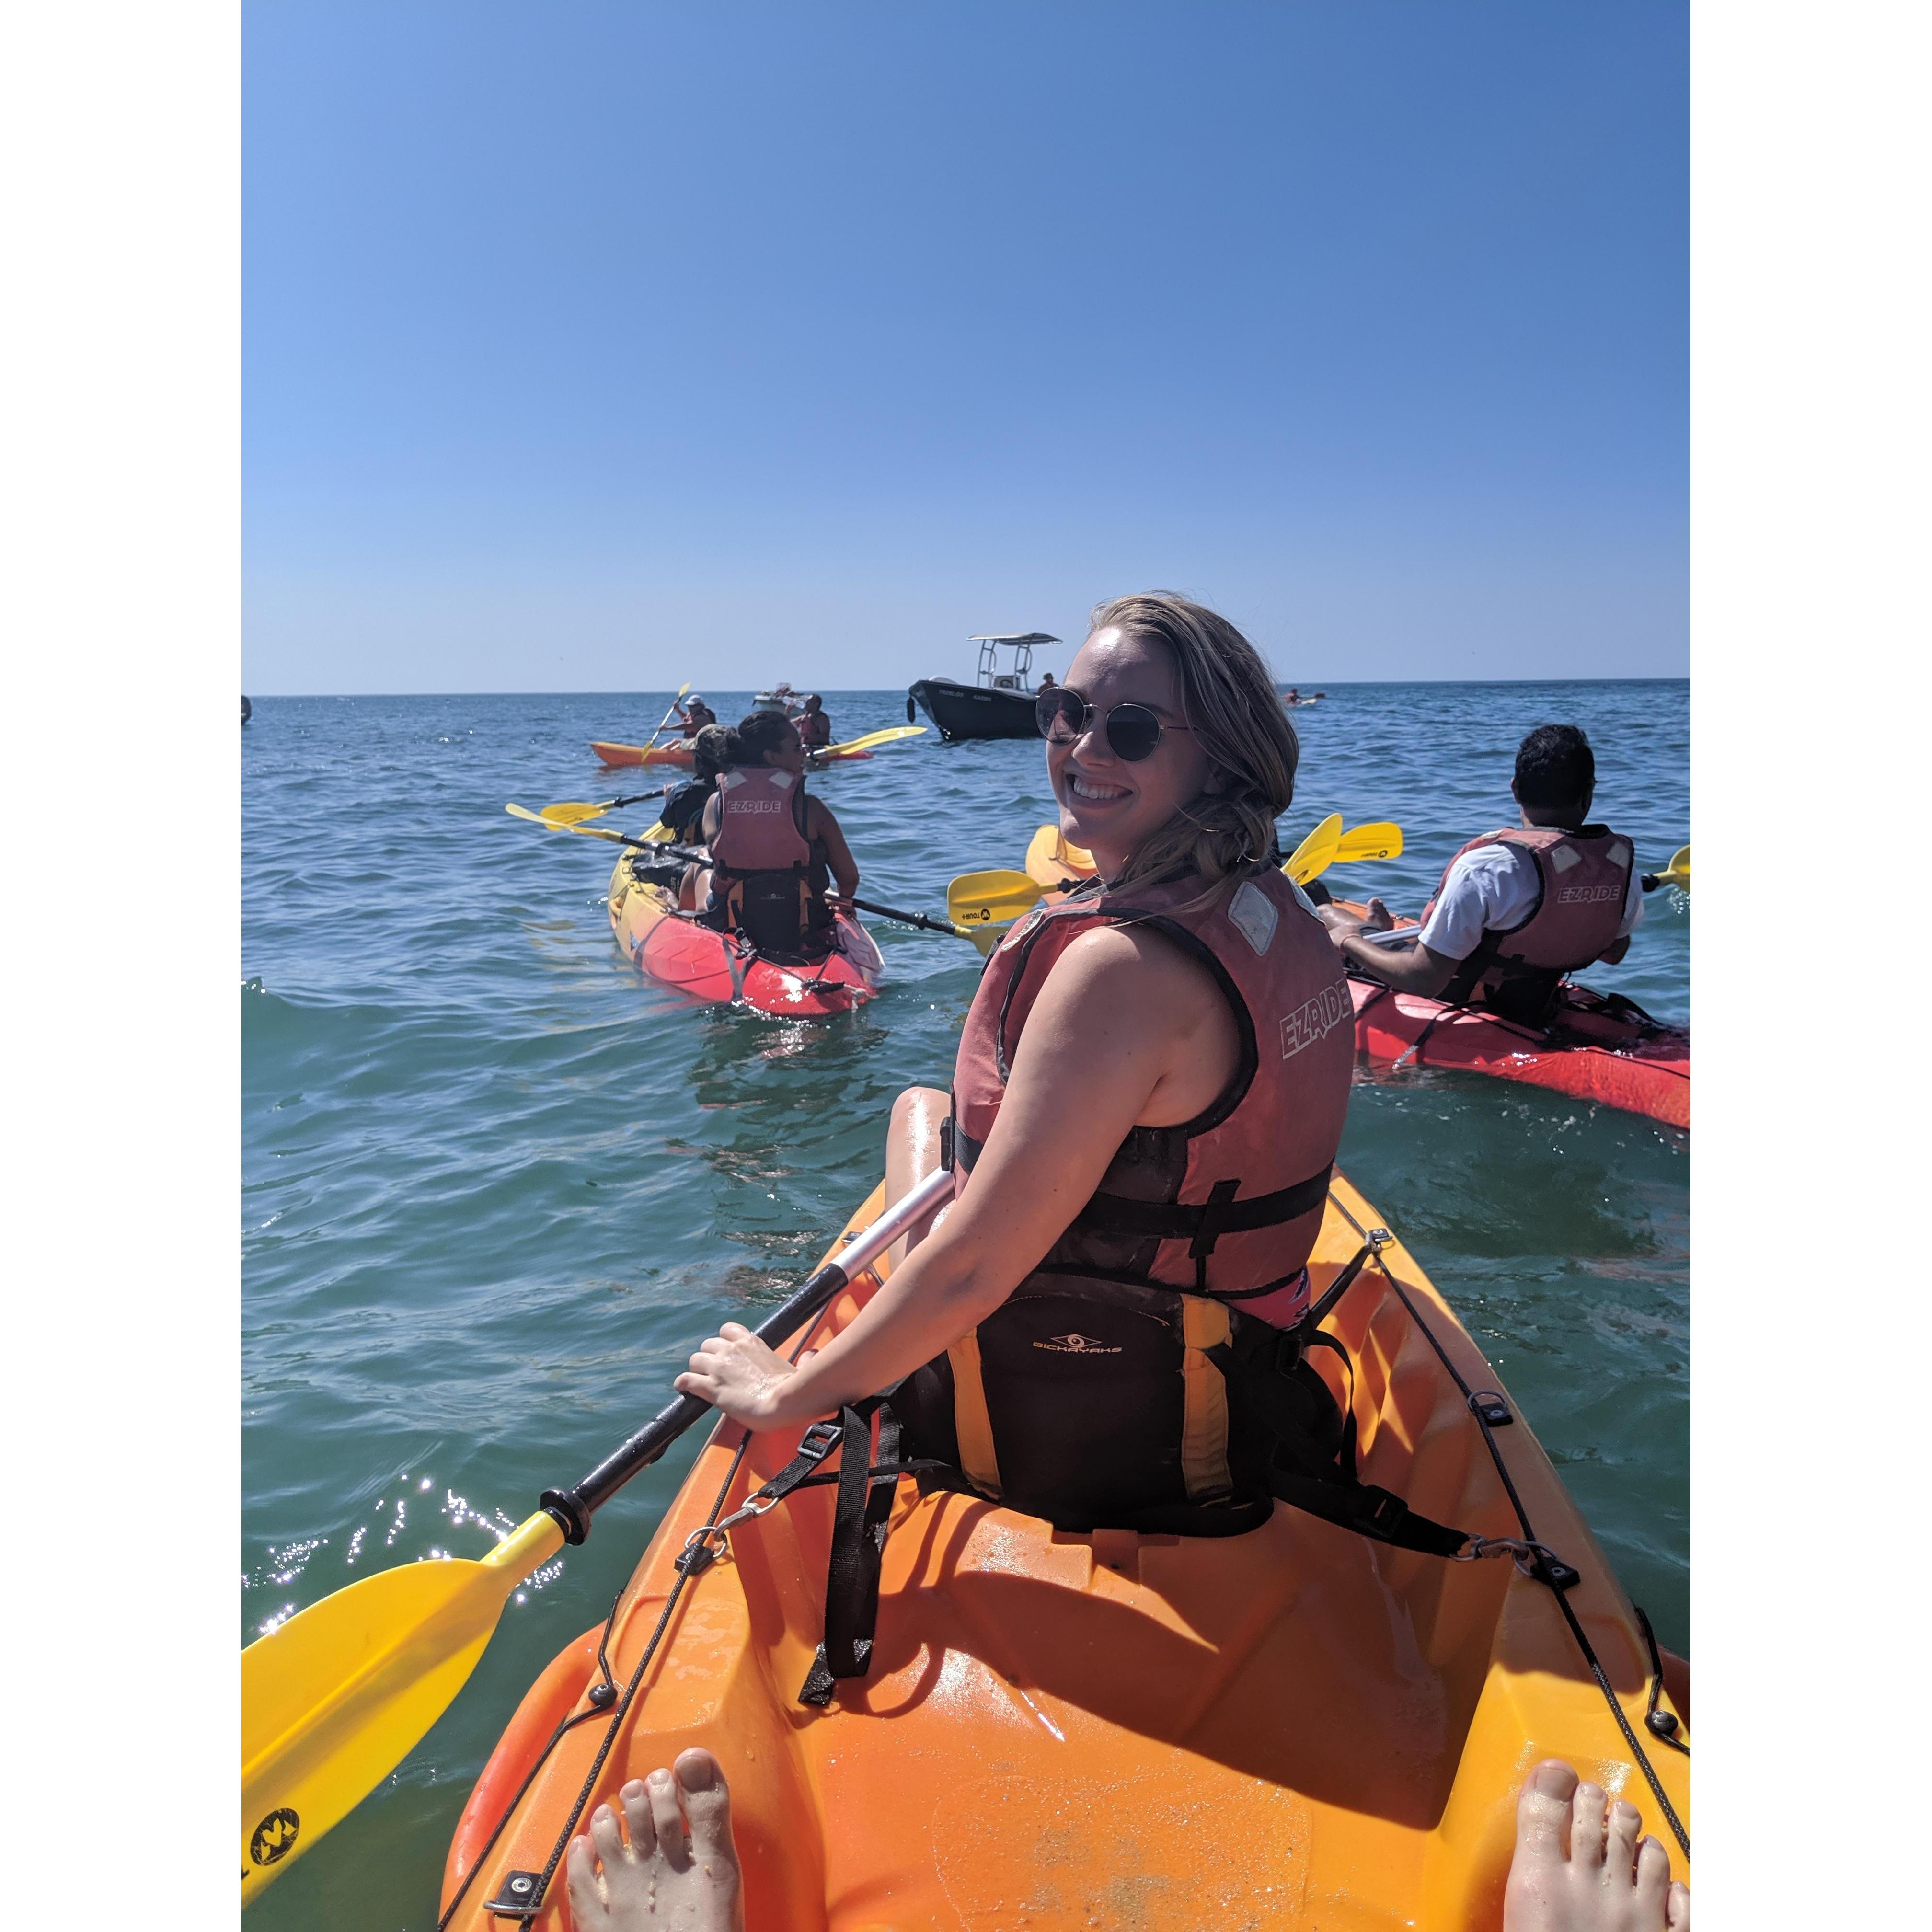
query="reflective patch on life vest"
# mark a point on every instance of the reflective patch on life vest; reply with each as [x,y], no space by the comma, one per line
[1251,913]
[1315,1017]
[1564,856]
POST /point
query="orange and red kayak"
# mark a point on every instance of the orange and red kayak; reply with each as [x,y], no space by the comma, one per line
[678,752]
[675,951]
[1294,1728]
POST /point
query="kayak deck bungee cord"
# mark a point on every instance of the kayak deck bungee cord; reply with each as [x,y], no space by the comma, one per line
[1294,1727]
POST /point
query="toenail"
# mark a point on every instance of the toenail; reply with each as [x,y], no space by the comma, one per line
[1552,1781]
[697,1775]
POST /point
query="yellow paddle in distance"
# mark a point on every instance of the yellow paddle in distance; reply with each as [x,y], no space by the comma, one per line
[657,839]
[1677,873]
[890,736]
[333,1700]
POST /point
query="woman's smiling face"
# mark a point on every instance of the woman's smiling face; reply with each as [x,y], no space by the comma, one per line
[1107,804]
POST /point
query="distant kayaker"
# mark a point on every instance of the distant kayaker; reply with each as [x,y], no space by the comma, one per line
[1149,1093]
[775,851]
[1294,697]
[696,714]
[1516,909]
[684,805]
[814,724]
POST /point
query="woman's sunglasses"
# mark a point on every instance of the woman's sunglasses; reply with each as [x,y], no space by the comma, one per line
[1133,730]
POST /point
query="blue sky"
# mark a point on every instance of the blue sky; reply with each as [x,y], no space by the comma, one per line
[600,346]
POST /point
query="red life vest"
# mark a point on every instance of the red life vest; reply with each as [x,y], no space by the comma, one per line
[760,822]
[1107,1389]
[814,729]
[1584,877]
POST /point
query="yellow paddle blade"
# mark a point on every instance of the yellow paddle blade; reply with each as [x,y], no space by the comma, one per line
[1051,861]
[1379,841]
[554,825]
[890,736]
[979,899]
[570,814]
[1678,872]
[334,1700]
[1316,853]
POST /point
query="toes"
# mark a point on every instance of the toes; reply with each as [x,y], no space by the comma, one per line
[587,1901]
[707,1804]
[1653,1881]
[1543,1812]
[662,1788]
[1677,1909]
[1620,1838]
[637,1803]
[606,1836]
[1586,1825]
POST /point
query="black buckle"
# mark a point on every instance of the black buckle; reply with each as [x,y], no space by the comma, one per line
[1489,1404]
[820,1440]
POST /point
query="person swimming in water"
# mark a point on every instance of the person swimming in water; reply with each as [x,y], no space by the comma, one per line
[664,1859]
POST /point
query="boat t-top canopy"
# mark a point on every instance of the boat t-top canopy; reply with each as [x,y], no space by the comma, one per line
[1021,643]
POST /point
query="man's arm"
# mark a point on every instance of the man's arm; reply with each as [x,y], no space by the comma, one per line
[1407,965]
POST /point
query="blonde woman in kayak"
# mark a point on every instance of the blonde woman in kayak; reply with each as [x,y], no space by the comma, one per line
[1150,1091]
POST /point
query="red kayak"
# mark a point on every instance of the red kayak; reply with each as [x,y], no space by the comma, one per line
[1599,1047]
[676,952]
[679,752]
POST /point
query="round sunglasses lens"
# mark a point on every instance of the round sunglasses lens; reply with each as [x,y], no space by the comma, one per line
[1133,731]
[1057,713]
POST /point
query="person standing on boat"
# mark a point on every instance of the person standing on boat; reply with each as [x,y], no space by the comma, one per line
[1516,910]
[775,852]
[814,724]
[1102,1329]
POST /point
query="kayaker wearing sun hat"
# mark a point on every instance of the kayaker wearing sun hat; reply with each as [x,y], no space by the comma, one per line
[774,851]
[1149,1094]
[1516,909]
[696,714]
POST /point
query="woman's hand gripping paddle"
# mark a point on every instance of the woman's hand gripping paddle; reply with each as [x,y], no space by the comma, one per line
[333,1700]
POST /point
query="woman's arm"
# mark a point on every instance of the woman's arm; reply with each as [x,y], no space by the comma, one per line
[822,826]
[1127,1029]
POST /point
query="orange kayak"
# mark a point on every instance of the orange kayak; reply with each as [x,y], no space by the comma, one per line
[678,752]
[1296,1727]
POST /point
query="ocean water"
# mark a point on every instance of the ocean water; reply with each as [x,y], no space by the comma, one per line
[496,1185]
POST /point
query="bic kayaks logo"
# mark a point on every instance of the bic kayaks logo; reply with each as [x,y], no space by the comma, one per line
[1077,1344]
[275,1837]
[1313,1018]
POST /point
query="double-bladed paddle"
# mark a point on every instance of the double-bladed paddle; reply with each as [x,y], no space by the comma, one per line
[333,1700]
[891,735]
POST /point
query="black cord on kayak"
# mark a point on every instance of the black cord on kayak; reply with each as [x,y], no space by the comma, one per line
[615,1718]
[1545,1569]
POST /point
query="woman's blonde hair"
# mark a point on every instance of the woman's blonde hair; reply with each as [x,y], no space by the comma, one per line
[1229,701]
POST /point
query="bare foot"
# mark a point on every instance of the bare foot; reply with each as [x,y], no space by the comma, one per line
[1376,917]
[673,1875]
[1579,1867]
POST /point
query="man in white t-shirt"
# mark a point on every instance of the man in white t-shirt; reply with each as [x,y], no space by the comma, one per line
[1519,908]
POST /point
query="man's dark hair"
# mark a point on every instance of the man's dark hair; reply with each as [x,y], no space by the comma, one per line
[1555,767]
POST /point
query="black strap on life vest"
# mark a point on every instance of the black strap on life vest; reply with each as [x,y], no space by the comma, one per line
[1204,1222]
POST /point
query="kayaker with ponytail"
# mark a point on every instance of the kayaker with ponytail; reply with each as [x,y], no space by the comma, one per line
[775,851]
[1518,909]
[1149,1094]
[684,807]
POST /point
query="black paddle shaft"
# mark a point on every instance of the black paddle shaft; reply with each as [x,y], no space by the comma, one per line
[574,1507]
[918,919]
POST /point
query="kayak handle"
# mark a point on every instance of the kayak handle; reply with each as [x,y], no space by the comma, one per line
[572,1508]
